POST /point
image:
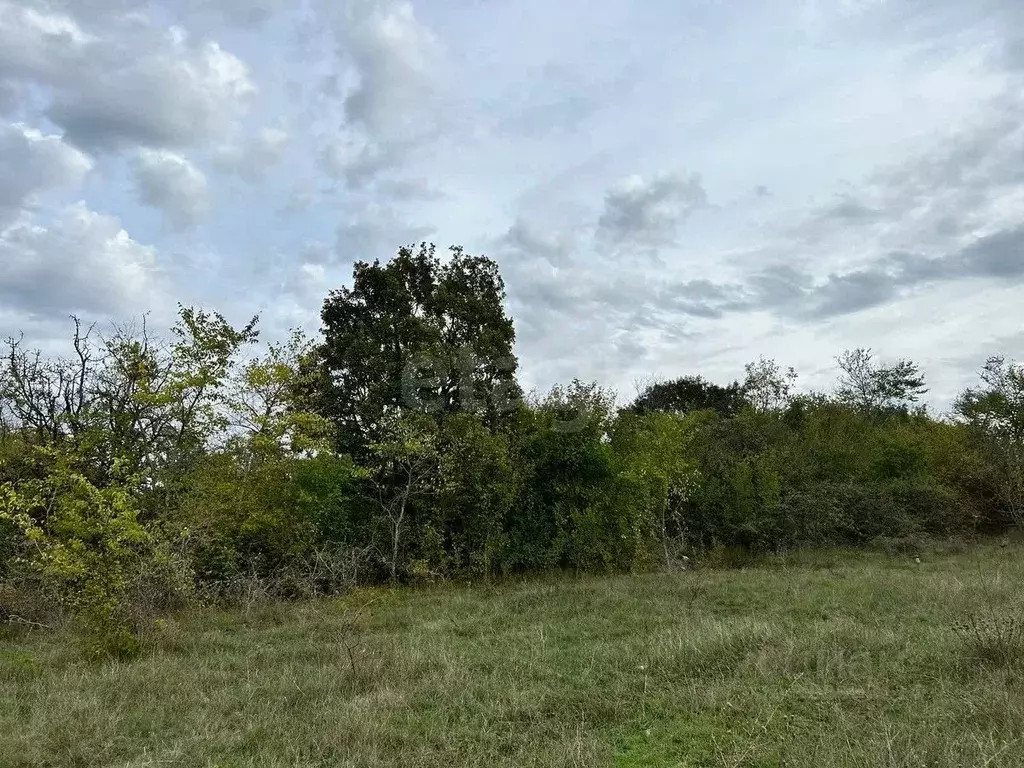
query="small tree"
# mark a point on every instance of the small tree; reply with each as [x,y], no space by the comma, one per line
[996,409]
[767,386]
[651,452]
[406,470]
[263,401]
[126,397]
[479,482]
[870,386]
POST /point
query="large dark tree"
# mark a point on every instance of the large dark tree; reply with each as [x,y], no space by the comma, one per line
[415,333]
[690,393]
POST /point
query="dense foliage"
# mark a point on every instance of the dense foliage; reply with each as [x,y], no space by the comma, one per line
[136,473]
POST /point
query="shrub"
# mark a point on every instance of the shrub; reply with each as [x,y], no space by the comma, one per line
[88,542]
[248,515]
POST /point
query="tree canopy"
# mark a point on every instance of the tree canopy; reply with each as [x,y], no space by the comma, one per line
[688,394]
[417,332]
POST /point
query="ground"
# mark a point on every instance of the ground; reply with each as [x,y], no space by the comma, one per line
[815,659]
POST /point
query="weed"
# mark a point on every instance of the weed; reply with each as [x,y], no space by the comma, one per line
[993,639]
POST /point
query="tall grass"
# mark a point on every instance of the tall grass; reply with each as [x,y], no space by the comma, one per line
[833,659]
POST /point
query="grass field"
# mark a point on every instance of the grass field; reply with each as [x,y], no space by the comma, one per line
[836,659]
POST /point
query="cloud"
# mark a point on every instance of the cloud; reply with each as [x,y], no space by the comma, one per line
[1000,256]
[252,158]
[376,234]
[386,79]
[867,161]
[649,213]
[10,96]
[244,13]
[82,261]
[126,84]
[525,237]
[850,210]
[174,97]
[39,45]
[354,161]
[794,293]
[845,294]
[393,55]
[167,181]
[560,99]
[31,163]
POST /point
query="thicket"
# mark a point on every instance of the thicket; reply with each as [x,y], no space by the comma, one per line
[138,473]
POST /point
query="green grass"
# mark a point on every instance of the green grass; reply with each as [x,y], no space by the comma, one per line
[836,659]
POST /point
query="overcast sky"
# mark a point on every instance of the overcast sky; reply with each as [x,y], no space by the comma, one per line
[670,186]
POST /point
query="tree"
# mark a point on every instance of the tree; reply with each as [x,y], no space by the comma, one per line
[688,394]
[767,387]
[110,432]
[415,334]
[568,513]
[263,400]
[998,405]
[47,396]
[89,542]
[652,453]
[406,470]
[871,386]
[126,397]
[479,483]
[996,410]
[273,491]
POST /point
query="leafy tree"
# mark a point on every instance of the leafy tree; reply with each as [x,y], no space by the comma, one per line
[415,333]
[569,511]
[274,491]
[111,430]
[998,405]
[996,410]
[871,386]
[478,487]
[653,454]
[406,471]
[767,386]
[263,400]
[689,394]
[126,397]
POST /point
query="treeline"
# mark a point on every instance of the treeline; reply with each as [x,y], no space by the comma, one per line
[141,472]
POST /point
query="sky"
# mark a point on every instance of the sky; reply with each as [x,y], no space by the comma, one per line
[671,187]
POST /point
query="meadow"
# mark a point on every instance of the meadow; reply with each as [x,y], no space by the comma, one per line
[835,658]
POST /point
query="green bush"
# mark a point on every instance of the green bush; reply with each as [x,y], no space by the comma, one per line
[250,516]
[87,542]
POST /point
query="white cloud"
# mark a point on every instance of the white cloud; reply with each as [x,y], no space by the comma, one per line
[38,45]
[82,261]
[393,55]
[31,163]
[175,95]
[168,181]
[386,80]
[126,84]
